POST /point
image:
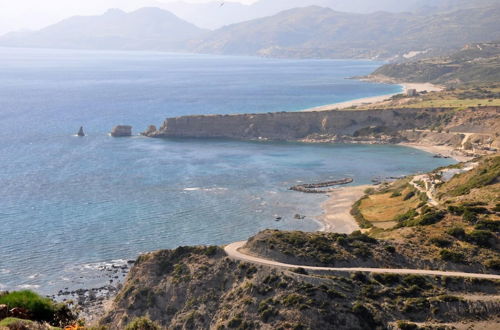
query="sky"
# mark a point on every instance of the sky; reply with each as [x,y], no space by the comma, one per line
[34,14]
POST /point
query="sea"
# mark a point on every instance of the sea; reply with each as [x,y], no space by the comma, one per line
[70,206]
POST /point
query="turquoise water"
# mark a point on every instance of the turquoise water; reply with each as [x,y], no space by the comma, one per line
[68,204]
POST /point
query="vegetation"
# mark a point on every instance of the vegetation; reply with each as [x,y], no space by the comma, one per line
[475,63]
[40,309]
[142,323]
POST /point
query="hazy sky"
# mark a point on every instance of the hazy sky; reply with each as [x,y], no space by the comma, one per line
[35,14]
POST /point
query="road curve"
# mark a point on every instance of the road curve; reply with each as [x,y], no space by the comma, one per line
[232,250]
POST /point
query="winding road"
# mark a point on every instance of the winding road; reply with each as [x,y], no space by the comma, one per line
[233,251]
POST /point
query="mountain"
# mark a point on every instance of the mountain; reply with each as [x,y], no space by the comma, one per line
[322,32]
[143,29]
[212,15]
[474,63]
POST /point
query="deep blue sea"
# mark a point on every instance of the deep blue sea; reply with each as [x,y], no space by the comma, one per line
[69,205]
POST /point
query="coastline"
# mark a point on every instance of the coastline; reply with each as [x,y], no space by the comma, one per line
[336,215]
[419,87]
[446,151]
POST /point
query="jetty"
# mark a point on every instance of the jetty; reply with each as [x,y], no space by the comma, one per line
[315,188]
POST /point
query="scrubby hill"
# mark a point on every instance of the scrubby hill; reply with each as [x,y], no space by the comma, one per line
[475,63]
[200,287]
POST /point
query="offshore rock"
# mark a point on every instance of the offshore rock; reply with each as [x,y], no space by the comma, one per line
[80,132]
[150,131]
[121,131]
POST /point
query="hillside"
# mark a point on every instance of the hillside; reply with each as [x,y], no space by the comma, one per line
[211,15]
[310,32]
[475,63]
[322,32]
[200,287]
[143,29]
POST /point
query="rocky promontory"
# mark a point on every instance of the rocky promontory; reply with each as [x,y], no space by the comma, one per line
[436,126]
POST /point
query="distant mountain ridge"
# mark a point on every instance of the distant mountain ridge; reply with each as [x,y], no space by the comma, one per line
[310,32]
[325,33]
[212,15]
[144,29]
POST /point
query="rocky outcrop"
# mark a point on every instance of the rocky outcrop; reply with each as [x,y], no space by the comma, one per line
[301,125]
[201,288]
[80,132]
[149,131]
[121,131]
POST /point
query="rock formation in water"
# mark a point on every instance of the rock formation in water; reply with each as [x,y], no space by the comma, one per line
[80,132]
[149,131]
[121,131]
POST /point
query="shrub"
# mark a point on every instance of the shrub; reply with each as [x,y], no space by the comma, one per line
[409,195]
[142,323]
[390,249]
[431,218]
[407,326]
[448,255]
[42,309]
[490,225]
[469,216]
[493,263]
[440,242]
[457,232]
[482,238]
[300,270]
[359,236]
[387,279]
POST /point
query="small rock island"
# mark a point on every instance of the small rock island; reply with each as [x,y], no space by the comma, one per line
[80,132]
[121,131]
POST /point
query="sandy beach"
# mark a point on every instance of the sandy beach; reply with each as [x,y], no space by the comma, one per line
[337,209]
[443,150]
[375,99]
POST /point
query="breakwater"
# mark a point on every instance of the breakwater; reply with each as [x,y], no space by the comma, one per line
[314,188]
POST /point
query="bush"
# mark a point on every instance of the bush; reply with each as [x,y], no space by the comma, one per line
[407,326]
[431,218]
[482,238]
[457,232]
[409,195]
[42,309]
[440,242]
[387,279]
[469,216]
[490,225]
[493,263]
[142,323]
[300,270]
[452,256]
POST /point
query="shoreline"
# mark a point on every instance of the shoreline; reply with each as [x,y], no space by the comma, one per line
[446,151]
[336,215]
[419,87]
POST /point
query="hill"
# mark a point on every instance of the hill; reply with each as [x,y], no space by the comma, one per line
[475,63]
[201,287]
[325,33]
[143,29]
[212,15]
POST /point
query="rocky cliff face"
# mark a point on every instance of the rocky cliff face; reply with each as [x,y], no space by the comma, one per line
[201,288]
[301,125]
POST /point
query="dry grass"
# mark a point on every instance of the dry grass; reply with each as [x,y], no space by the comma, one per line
[384,208]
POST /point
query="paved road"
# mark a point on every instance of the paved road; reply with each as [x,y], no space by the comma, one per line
[233,252]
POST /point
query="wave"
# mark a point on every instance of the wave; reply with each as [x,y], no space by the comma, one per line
[28,286]
[204,189]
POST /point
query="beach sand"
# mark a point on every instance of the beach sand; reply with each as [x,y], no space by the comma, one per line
[443,150]
[376,99]
[337,209]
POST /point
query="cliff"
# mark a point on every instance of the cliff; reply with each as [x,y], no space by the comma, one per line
[341,126]
[201,288]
